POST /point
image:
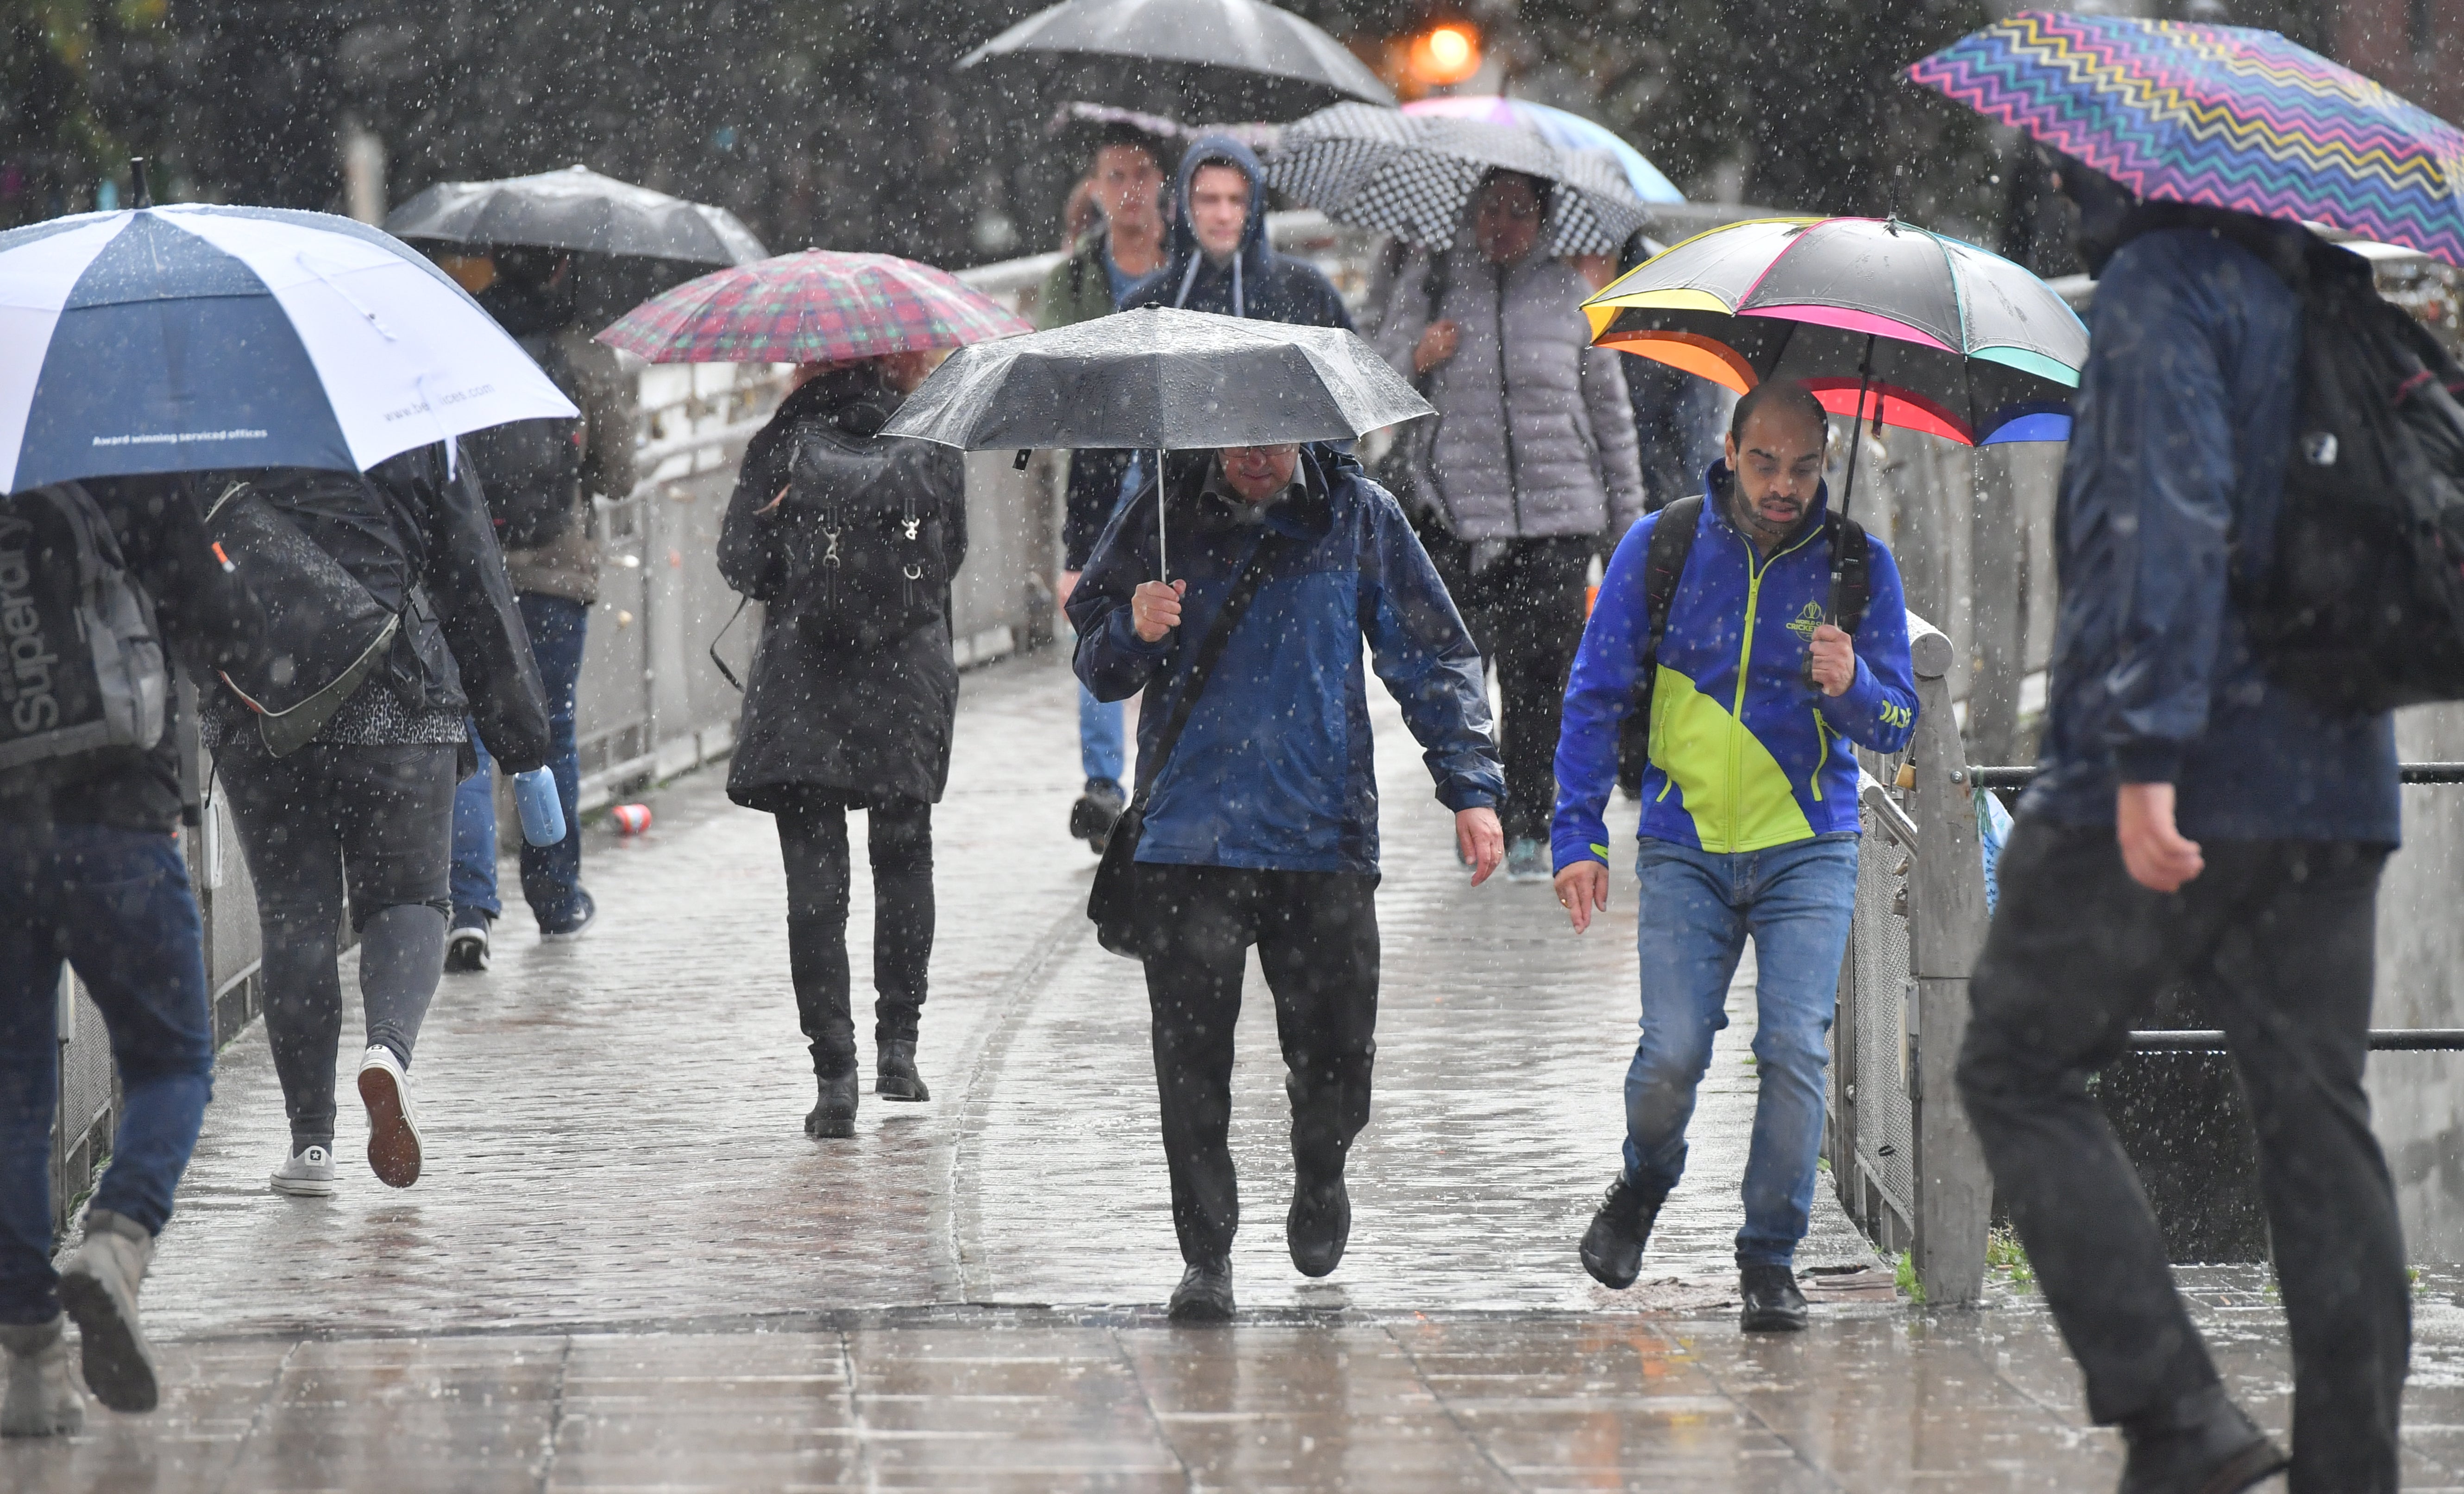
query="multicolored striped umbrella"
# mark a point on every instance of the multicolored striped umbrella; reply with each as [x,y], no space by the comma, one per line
[2221,115]
[1558,127]
[1923,332]
[818,306]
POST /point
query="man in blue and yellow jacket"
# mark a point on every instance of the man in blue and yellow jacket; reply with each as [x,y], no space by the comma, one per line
[1748,818]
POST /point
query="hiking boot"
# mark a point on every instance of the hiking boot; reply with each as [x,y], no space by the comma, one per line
[1092,817]
[1611,1248]
[466,948]
[99,1287]
[2201,1444]
[40,1402]
[1772,1303]
[1319,1224]
[894,1073]
[394,1152]
[1527,860]
[1204,1294]
[306,1174]
[834,1116]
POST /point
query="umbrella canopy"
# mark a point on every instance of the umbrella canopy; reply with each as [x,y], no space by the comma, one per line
[1159,379]
[577,208]
[818,306]
[1955,341]
[2221,115]
[1247,58]
[1560,128]
[1414,175]
[192,336]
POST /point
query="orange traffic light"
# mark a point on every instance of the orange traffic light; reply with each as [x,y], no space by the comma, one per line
[1447,52]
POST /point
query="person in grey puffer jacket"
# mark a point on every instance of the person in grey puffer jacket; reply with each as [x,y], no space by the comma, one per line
[1531,467]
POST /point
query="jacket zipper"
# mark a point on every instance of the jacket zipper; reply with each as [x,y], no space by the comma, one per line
[1821,753]
[1754,575]
[1506,408]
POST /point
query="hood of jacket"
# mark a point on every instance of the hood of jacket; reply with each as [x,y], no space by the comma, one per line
[1188,262]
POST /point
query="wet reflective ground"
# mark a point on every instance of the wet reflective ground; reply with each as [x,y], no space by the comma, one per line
[628,1268]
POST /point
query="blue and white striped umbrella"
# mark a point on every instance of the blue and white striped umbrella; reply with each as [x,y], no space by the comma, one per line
[192,337]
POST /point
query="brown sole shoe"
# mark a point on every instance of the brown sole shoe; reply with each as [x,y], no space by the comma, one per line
[393,1134]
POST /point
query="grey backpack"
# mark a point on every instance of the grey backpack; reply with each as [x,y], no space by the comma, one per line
[81,665]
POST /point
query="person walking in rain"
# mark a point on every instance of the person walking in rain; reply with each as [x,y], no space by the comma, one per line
[1220,261]
[2193,821]
[366,808]
[91,872]
[539,476]
[1261,824]
[846,712]
[1750,825]
[1125,181]
[1531,467]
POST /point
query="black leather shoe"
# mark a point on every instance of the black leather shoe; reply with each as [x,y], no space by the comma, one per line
[1318,1225]
[2202,1444]
[835,1116]
[1204,1294]
[1612,1247]
[1773,1303]
[1092,816]
[895,1076]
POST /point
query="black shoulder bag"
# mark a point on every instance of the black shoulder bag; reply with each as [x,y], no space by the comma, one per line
[1112,902]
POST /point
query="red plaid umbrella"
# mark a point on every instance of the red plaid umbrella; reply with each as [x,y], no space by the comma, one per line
[814,307]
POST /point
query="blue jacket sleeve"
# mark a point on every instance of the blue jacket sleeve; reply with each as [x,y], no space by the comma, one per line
[1879,710]
[1111,660]
[1599,694]
[2156,495]
[1420,646]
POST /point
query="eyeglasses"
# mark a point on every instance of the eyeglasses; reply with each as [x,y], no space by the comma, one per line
[1519,211]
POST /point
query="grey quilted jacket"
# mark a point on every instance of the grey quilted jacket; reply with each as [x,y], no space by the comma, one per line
[1538,444]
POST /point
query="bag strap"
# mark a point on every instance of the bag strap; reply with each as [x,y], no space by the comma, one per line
[724,673]
[1244,589]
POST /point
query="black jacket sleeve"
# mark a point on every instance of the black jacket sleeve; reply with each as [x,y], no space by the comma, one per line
[473,598]
[750,556]
[209,616]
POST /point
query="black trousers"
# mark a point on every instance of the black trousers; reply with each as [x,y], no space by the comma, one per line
[813,841]
[1316,935]
[1524,609]
[2276,937]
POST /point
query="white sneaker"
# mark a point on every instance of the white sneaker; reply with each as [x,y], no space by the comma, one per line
[309,1174]
[393,1121]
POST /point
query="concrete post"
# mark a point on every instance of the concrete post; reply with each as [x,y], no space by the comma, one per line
[1954,1193]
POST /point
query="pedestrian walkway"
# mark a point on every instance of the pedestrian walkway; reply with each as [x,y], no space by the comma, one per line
[627,1267]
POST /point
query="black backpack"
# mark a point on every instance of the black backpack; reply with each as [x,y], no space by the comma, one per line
[2361,606]
[1664,565]
[870,555]
[326,553]
[532,469]
[81,666]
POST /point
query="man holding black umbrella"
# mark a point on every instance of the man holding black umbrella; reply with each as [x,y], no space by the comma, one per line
[1259,812]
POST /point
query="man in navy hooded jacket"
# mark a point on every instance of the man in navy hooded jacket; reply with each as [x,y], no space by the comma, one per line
[1220,261]
[2193,823]
[1261,825]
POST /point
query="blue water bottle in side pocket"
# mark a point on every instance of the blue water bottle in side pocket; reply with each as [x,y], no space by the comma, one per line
[542,812]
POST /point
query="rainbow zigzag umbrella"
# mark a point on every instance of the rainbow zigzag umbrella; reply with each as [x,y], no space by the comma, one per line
[2221,115]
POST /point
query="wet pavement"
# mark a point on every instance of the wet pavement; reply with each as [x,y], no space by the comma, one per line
[628,1268]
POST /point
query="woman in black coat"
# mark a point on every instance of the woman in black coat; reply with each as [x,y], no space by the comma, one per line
[829,728]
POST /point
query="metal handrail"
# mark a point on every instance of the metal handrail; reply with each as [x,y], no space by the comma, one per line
[2383,1040]
[2020,777]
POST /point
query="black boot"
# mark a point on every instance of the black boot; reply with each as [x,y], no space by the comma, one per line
[895,1076]
[1773,1303]
[2201,1444]
[1204,1294]
[1611,1248]
[1092,816]
[835,1114]
[1319,1223]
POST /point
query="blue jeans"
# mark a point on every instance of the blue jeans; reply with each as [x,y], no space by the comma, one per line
[1696,911]
[1103,748]
[551,874]
[117,904]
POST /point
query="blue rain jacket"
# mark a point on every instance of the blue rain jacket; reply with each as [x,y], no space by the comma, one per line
[2174,474]
[1276,768]
[1746,753]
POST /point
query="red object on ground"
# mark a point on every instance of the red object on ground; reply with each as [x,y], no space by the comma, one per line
[630,819]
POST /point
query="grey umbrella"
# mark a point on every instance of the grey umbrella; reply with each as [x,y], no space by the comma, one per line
[1241,58]
[577,208]
[1159,379]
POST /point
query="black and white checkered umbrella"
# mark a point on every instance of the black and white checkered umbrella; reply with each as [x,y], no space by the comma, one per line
[1414,175]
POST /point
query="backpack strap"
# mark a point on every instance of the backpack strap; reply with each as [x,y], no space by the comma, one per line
[1664,565]
[1855,554]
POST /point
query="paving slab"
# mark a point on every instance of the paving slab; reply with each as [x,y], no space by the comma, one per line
[628,1268]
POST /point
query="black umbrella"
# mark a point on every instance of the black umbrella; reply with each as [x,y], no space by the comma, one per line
[641,242]
[1159,379]
[1238,58]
